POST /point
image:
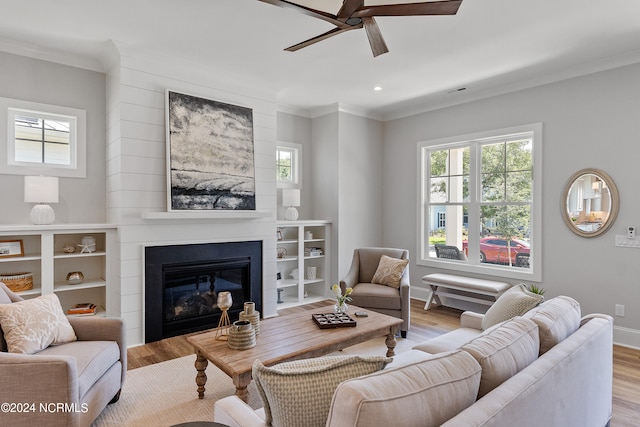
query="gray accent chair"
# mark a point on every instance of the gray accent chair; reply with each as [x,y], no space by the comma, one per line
[450,252]
[86,374]
[380,298]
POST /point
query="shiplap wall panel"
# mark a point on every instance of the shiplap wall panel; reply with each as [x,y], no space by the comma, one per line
[137,172]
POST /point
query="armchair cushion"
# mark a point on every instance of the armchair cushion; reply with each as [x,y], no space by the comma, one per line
[389,271]
[93,359]
[32,325]
[371,295]
[299,393]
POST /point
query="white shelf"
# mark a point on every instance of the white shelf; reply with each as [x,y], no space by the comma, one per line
[293,240]
[49,265]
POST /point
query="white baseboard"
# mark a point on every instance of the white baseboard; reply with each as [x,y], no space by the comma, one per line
[626,337]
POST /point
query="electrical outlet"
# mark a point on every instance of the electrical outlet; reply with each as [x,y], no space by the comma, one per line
[620,310]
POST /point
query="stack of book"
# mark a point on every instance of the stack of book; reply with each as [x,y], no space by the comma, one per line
[83,309]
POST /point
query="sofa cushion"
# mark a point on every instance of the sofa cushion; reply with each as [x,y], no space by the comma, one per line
[504,351]
[514,302]
[299,393]
[390,271]
[450,341]
[556,319]
[93,359]
[32,325]
[425,393]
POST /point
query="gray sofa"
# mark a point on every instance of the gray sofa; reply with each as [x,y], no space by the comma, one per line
[549,367]
[66,385]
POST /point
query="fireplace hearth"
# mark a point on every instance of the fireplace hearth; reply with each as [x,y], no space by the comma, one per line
[182,283]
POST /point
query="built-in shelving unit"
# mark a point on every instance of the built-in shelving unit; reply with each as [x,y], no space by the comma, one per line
[303,262]
[44,257]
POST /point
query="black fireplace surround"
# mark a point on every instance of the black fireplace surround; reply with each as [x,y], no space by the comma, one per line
[182,283]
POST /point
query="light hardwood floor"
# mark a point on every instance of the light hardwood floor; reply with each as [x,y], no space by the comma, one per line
[429,324]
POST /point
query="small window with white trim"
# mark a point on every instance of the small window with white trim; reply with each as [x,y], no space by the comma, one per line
[288,164]
[43,139]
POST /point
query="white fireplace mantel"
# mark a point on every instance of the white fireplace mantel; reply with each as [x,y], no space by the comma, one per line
[218,214]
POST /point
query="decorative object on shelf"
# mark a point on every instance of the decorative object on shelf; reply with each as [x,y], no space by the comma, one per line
[222,175]
[294,274]
[242,335]
[88,245]
[313,252]
[252,315]
[41,190]
[333,320]
[224,302]
[11,248]
[311,273]
[279,234]
[280,300]
[83,309]
[17,282]
[75,277]
[282,252]
[68,248]
[308,235]
[341,300]
[291,199]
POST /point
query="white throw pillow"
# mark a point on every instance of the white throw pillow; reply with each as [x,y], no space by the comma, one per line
[32,325]
[514,302]
[299,393]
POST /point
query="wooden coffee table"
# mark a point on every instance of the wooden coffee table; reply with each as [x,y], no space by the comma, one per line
[285,338]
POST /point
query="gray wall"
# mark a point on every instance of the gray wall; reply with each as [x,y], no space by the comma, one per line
[591,121]
[82,200]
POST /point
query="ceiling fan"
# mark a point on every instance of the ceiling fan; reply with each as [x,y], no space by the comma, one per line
[354,14]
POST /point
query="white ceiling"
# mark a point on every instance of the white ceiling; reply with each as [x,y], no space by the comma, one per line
[489,47]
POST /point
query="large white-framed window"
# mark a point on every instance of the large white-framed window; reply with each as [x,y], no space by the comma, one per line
[288,164]
[42,139]
[482,194]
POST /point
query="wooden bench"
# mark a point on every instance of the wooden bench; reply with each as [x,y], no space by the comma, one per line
[479,291]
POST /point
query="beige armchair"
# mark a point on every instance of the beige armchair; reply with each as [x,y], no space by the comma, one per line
[68,384]
[381,298]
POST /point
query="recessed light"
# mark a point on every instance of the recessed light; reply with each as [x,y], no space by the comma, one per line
[377,88]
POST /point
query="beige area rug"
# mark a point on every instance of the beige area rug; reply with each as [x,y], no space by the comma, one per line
[165,394]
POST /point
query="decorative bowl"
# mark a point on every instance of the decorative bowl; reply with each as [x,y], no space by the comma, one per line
[75,277]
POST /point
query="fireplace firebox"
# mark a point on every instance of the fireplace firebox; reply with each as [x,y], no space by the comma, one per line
[182,283]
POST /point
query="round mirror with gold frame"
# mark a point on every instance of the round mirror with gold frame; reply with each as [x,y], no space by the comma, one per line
[590,202]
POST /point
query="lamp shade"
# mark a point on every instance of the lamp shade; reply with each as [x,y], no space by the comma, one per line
[291,197]
[41,189]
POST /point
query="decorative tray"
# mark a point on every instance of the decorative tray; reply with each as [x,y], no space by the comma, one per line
[333,320]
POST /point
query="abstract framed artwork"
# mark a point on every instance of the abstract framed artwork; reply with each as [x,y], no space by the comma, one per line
[210,156]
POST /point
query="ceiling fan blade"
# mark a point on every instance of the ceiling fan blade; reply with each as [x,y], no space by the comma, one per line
[308,11]
[411,9]
[321,37]
[378,46]
[347,9]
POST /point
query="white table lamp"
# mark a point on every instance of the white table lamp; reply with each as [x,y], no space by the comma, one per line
[41,190]
[291,198]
